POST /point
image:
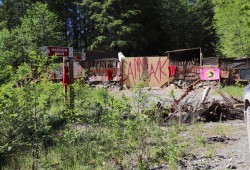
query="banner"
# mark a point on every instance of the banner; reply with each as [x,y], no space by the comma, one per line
[210,74]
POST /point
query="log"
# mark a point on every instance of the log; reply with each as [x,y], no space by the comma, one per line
[204,94]
[189,88]
[240,105]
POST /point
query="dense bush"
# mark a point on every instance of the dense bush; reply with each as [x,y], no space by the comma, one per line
[41,131]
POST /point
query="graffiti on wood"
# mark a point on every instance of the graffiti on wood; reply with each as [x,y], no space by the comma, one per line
[152,70]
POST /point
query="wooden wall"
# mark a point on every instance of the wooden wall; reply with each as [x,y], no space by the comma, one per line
[152,70]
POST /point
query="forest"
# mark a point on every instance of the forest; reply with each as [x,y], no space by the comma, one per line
[38,128]
[135,27]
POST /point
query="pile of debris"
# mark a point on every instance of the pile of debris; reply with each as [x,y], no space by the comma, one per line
[195,105]
[109,85]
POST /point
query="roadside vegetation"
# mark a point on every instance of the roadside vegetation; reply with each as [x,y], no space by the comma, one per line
[40,131]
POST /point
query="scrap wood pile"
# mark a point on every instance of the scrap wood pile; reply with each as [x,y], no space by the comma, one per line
[195,105]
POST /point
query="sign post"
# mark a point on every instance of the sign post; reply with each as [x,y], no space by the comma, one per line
[71,81]
[65,77]
[58,51]
[68,68]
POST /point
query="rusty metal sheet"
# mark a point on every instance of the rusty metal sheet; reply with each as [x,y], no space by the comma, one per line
[224,73]
[210,60]
[179,76]
[191,78]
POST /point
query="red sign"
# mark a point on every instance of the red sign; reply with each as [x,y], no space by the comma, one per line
[58,51]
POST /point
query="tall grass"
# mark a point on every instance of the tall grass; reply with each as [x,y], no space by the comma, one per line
[235,91]
[103,132]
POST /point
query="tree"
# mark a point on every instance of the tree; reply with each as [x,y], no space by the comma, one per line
[9,54]
[11,12]
[232,25]
[188,24]
[39,27]
[135,27]
[175,21]
[149,38]
[203,33]
[69,14]
[112,23]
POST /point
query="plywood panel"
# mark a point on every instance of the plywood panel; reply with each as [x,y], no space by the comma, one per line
[158,73]
[152,70]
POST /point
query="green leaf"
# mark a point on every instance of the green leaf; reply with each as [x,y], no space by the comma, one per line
[9,148]
[13,115]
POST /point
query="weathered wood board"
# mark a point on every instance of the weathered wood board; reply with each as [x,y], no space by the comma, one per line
[152,70]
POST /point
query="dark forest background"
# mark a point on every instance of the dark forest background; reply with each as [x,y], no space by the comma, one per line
[40,128]
[135,27]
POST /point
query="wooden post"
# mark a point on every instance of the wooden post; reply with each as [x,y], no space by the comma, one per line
[168,70]
[65,94]
[121,72]
[65,63]
[71,81]
[200,57]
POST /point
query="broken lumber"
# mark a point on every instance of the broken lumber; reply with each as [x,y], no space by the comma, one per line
[189,88]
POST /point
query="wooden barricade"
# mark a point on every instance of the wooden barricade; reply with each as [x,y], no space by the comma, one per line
[152,70]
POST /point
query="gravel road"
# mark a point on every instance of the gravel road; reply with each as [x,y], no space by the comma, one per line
[226,143]
[226,147]
[229,148]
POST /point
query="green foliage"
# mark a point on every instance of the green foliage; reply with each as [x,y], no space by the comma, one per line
[7,56]
[172,94]
[113,22]
[124,25]
[11,11]
[6,42]
[26,104]
[38,28]
[174,149]
[202,14]
[235,91]
[187,24]
[102,132]
[232,23]
[140,97]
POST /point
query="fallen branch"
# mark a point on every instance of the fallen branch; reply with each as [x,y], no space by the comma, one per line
[189,88]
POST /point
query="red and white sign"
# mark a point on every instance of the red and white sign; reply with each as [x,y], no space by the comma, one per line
[58,51]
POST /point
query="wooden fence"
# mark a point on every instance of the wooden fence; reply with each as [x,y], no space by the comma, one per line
[152,70]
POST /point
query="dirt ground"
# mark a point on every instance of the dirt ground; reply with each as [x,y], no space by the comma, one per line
[226,146]
[213,145]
